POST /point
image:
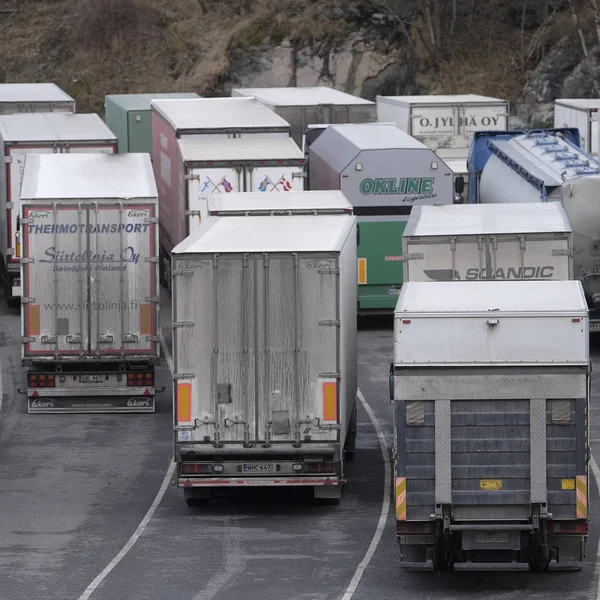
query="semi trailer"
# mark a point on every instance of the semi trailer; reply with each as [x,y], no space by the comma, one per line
[264,353]
[90,305]
[34,98]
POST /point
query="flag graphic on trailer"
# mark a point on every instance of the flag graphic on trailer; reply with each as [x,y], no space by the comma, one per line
[284,183]
[215,186]
[264,184]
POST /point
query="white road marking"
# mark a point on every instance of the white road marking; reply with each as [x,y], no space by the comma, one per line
[385,507]
[138,532]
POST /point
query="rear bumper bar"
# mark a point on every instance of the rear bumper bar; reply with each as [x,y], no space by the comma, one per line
[257,481]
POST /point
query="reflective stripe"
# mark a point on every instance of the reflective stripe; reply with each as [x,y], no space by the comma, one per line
[34,319]
[184,402]
[330,401]
[581,492]
[400,498]
[362,271]
[146,319]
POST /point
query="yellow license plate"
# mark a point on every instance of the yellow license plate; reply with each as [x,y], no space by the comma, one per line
[568,484]
[490,485]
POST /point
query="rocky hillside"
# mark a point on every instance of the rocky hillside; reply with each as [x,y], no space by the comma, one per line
[527,51]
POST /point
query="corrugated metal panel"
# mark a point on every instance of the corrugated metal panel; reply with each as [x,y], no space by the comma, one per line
[259,201]
[87,176]
[218,113]
[264,234]
[487,219]
[301,96]
[239,149]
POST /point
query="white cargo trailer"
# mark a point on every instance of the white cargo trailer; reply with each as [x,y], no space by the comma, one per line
[206,166]
[488,241]
[583,114]
[444,123]
[252,204]
[25,134]
[546,167]
[90,282]
[304,106]
[264,351]
[491,388]
[34,98]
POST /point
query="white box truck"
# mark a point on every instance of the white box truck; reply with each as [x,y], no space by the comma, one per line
[491,389]
[264,352]
[318,105]
[251,204]
[89,269]
[488,241]
[218,122]
[583,114]
[207,166]
[25,134]
[34,98]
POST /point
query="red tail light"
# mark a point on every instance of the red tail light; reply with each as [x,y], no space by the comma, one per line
[580,527]
[414,528]
[323,467]
[140,379]
[194,468]
[41,380]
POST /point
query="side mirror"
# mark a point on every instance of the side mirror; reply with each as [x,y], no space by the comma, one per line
[391,382]
[459,184]
[358,234]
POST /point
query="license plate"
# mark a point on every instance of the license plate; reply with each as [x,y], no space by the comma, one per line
[257,468]
[91,378]
[491,538]
[594,326]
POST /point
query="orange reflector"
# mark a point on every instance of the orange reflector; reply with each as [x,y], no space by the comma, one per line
[34,319]
[362,271]
[330,401]
[184,402]
[146,319]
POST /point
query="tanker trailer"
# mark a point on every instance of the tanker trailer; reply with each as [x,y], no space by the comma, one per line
[546,166]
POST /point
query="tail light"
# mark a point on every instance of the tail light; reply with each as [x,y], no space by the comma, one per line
[140,379]
[40,380]
[580,527]
[322,467]
[195,468]
[414,528]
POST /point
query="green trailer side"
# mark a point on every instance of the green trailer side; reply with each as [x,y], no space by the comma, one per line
[129,116]
[383,172]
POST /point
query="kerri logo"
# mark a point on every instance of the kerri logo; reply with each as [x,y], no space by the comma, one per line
[394,187]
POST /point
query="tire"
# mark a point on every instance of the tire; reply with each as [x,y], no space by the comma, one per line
[350,445]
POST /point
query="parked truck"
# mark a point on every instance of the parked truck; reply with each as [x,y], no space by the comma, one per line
[384,173]
[445,123]
[130,117]
[545,166]
[319,105]
[89,269]
[476,242]
[203,166]
[34,98]
[581,113]
[264,352]
[490,384]
[25,134]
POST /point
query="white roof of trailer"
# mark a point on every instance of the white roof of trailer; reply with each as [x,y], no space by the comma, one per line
[54,127]
[246,148]
[302,96]
[487,219]
[339,145]
[88,176]
[234,235]
[32,92]
[278,201]
[433,99]
[493,297]
[579,102]
[218,113]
